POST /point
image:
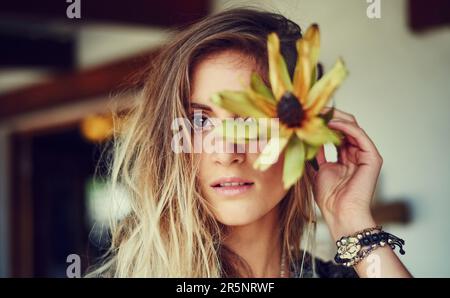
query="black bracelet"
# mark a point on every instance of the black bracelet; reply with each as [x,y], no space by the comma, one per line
[351,251]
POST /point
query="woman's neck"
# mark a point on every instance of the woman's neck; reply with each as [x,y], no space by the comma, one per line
[258,244]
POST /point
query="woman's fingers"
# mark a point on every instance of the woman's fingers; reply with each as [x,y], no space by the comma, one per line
[338,114]
[342,152]
[356,136]
[320,157]
[355,139]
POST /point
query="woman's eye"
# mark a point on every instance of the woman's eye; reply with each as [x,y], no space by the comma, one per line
[249,119]
[201,122]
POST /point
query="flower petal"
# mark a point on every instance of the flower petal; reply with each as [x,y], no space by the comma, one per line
[272,127]
[308,54]
[237,102]
[303,71]
[278,72]
[312,36]
[258,85]
[294,162]
[271,152]
[311,151]
[237,131]
[267,106]
[315,133]
[321,92]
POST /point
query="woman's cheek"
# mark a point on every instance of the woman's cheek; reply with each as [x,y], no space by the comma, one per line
[271,180]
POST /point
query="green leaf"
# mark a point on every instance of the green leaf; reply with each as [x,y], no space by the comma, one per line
[294,162]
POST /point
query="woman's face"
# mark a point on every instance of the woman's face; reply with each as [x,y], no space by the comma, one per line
[263,190]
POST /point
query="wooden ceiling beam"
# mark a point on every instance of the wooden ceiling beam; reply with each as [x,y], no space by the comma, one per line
[167,13]
[75,87]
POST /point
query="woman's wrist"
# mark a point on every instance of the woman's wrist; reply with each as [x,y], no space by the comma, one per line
[347,226]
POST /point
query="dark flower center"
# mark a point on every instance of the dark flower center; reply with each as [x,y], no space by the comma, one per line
[290,110]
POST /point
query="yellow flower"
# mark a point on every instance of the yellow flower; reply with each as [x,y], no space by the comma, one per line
[296,104]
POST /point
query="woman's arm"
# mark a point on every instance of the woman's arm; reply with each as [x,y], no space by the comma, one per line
[382,262]
[344,191]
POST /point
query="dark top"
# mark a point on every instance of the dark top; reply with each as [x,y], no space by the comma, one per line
[323,269]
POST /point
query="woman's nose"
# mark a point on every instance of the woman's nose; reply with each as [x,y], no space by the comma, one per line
[231,153]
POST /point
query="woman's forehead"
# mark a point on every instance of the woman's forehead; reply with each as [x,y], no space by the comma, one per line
[227,70]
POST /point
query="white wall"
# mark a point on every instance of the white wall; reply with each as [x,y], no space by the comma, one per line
[99,44]
[399,90]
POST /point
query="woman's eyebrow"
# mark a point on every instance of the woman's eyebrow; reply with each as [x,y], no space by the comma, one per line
[195,105]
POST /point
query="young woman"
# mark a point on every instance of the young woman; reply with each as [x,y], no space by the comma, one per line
[186,220]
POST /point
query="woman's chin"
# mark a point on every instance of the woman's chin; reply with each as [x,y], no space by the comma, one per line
[235,222]
[238,216]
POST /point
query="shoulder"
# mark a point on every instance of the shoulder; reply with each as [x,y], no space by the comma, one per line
[321,268]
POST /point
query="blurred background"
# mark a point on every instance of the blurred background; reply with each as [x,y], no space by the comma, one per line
[58,75]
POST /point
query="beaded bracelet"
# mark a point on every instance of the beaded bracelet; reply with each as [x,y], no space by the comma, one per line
[354,248]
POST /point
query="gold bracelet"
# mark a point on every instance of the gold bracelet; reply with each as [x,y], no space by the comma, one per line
[350,249]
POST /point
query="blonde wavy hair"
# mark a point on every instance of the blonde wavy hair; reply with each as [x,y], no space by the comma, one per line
[170,230]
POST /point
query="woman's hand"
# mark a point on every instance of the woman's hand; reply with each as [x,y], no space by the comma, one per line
[344,190]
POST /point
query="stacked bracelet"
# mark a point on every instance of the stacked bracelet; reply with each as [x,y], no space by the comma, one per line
[352,249]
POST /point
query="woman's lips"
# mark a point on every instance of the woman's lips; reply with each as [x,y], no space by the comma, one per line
[232,186]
